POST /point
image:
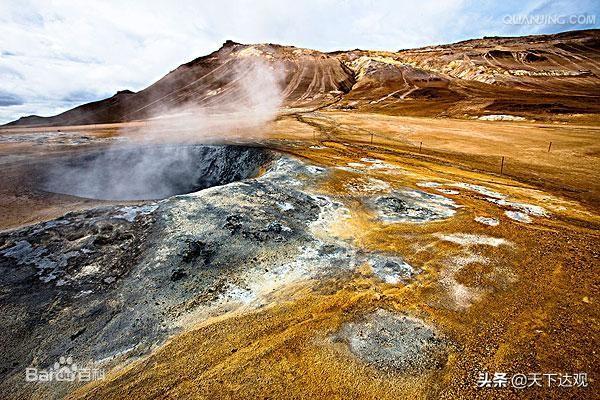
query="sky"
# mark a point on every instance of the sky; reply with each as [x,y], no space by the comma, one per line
[55,55]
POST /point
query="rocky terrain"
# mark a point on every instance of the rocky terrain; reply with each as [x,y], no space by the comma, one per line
[114,282]
[403,222]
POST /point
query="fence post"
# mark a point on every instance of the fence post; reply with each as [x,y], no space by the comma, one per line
[420,146]
[502,166]
[549,147]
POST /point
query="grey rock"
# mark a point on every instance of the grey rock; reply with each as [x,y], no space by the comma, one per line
[393,342]
[413,206]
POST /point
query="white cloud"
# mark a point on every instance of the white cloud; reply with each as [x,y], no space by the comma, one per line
[55,54]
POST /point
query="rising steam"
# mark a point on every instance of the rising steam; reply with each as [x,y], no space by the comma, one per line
[164,161]
[251,97]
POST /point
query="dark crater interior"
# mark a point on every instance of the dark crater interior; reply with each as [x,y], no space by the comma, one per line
[152,172]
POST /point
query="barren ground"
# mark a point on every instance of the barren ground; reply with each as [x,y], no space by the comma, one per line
[516,297]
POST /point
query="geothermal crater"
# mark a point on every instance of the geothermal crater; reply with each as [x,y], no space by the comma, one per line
[152,172]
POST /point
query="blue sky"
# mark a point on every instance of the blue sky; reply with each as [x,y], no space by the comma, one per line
[55,55]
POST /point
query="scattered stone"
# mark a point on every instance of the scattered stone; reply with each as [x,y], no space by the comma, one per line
[487,221]
[448,191]
[129,213]
[480,189]
[77,334]
[178,274]
[356,165]
[501,117]
[369,185]
[233,223]
[467,239]
[428,184]
[501,200]
[525,208]
[196,249]
[315,170]
[370,160]
[392,270]
[285,206]
[518,216]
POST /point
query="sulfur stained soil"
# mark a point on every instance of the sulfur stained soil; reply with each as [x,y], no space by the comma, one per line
[516,297]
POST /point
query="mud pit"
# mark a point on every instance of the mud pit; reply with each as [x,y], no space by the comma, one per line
[152,172]
[393,342]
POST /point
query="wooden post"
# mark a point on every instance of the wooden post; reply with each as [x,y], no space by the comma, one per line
[549,147]
[420,146]
[371,137]
[502,166]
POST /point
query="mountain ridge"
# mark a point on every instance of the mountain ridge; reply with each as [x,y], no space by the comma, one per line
[537,76]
